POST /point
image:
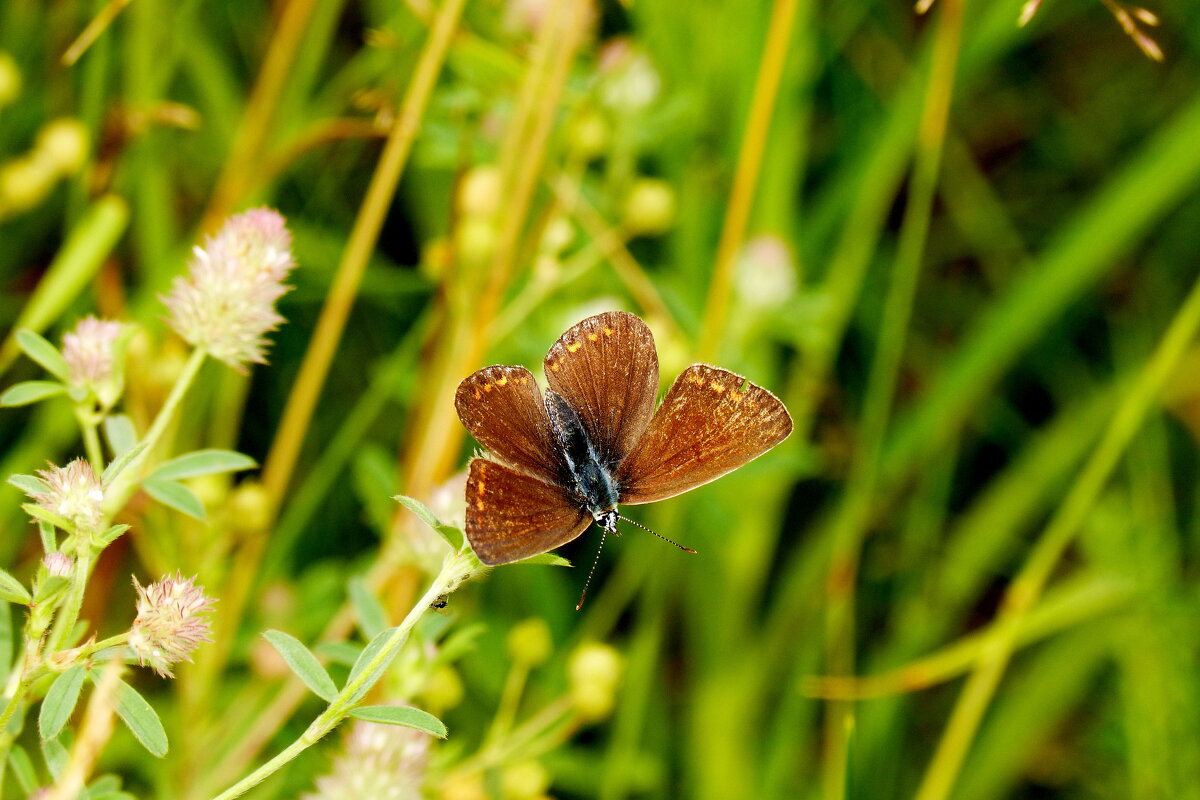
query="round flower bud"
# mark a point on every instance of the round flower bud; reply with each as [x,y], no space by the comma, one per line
[10,79]
[464,786]
[443,689]
[250,507]
[766,273]
[59,565]
[595,670]
[475,240]
[529,642]
[524,780]
[650,208]
[64,143]
[588,135]
[25,181]
[479,192]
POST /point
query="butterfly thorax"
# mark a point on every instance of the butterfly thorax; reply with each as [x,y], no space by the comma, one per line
[593,481]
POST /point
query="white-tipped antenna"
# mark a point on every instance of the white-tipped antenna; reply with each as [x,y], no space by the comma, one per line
[656,533]
[592,571]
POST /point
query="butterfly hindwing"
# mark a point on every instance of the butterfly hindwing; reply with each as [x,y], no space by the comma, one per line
[511,515]
[502,408]
[606,368]
[711,422]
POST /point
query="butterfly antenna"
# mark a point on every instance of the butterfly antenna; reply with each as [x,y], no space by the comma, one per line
[592,571]
[659,535]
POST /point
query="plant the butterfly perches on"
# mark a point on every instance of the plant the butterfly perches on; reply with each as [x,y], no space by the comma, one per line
[560,460]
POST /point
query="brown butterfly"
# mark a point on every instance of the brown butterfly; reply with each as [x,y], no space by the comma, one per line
[563,459]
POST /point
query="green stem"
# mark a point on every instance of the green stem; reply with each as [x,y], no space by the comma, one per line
[88,422]
[455,569]
[1025,589]
[118,495]
[69,612]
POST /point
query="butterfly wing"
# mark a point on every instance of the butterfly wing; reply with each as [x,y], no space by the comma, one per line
[511,515]
[502,408]
[711,422]
[606,368]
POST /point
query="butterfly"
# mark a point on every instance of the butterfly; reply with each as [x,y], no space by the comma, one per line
[561,460]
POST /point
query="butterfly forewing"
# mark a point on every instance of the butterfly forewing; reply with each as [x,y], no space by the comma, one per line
[502,408]
[711,422]
[511,515]
[606,368]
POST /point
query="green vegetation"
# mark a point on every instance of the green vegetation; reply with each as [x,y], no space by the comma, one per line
[961,250]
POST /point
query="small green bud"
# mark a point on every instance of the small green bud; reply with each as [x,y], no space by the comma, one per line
[530,643]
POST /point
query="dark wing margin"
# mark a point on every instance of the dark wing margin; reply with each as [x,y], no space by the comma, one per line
[511,516]
[606,368]
[711,422]
[502,408]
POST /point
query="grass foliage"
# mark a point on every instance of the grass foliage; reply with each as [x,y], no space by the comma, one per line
[963,252]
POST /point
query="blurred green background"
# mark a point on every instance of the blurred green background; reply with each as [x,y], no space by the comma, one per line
[966,311]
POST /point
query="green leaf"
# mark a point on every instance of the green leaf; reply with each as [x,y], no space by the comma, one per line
[28,484]
[37,512]
[402,715]
[26,392]
[56,756]
[121,434]
[339,652]
[60,702]
[176,496]
[50,588]
[44,353]
[140,718]
[452,535]
[110,536]
[22,767]
[11,590]
[48,537]
[202,462]
[365,657]
[303,663]
[420,509]
[118,464]
[545,559]
[372,618]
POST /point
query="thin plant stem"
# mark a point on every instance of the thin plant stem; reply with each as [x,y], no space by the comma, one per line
[297,414]
[454,570]
[1021,596]
[68,614]
[117,495]
[91,438]
[240,168]
[745,179]
[855,514]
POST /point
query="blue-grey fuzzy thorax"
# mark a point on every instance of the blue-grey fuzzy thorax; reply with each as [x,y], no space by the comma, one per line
[593,481]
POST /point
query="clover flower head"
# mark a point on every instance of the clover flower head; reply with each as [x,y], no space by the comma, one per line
[226,305]
[379,761]
[74,493]
[59,565]
[172,621]
[88,350]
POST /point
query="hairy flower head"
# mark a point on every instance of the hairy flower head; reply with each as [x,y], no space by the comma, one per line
[88,351]
[226,305]
[74,493]
[59,565]
[169,625]
[380,761]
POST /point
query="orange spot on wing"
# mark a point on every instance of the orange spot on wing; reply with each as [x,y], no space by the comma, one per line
[573,346]
[503,381]
[609,331]
[717,387]
[482,488]
[593,337]
[479,505]
[478,394]
[735,395]
[554,367]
